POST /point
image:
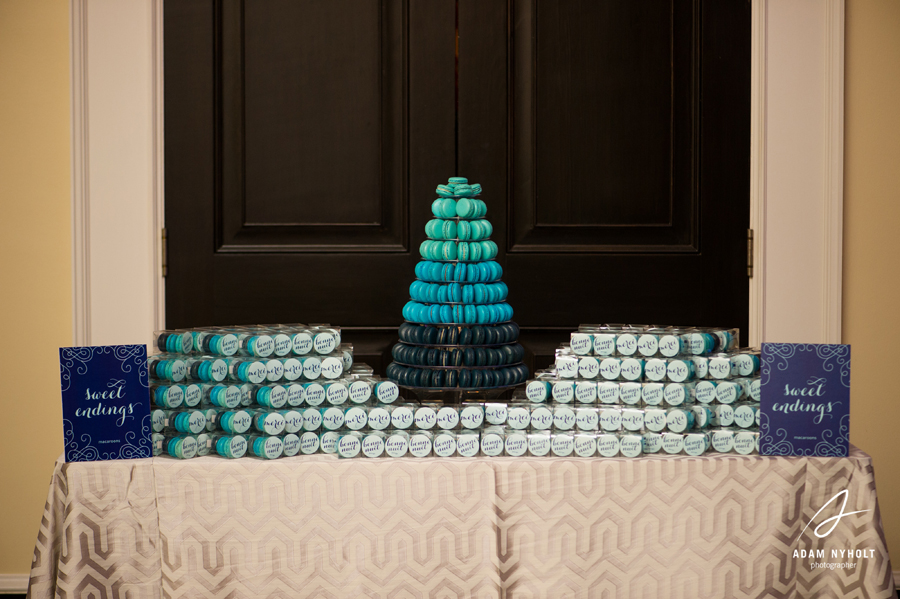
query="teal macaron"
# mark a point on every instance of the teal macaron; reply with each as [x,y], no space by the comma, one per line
[463,251]
[445,191]
[465,208]
[436,207]
[464,230]
[449,250]
[471,314]
[448,208]
[457,180]
[448,229]
[475,251]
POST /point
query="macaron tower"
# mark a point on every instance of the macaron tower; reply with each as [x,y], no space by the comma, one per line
[458,332]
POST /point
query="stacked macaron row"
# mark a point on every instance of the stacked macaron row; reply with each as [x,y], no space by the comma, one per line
[458,331]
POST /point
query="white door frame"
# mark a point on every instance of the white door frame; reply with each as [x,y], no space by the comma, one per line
[796,197]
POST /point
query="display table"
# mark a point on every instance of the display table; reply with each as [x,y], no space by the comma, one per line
[315,526]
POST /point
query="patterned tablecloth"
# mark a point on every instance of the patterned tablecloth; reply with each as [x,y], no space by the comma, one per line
[681,527]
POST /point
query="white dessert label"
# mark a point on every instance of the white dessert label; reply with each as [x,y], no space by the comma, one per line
[294,394]
[705,391]
[604,344]
[680,370]
[402,417]
[610,368]
[585,445]
[541,418]
[337,394]
[588,367]
[333,418]
[538,445]
[293,421]
[174,396]
[179,370]
[372,446]
[744,364]
[196,422]
[610,419]
[348,446]
[673,443]
[755,390]
[312,368]
[653,393]
[679,420]
[293,369]
[567,366]
[241,421]
[218,370]
[309,443]
[324,342]
[655,369]
[189,447]
[632,419]
[562,445]
[238,446]
[608,392]
[332,368]
[724,415]
[586,392]
[360,391]
[328,441]
[264,346]
[312,419]
[291,445]
[723,441]
[648,345]
[228,345]
[471,417]
[256,372]
[608,445]
[379,419]
[272,423]
[581,343]
[727,392]
[669,346]
[630,393]
[277,397]
[444,445]
[491,444]
[355,418]
[719,367]
[536,391]
[631,446]
[518,417]
[516,444]
[632,369]
[314,393]
[282,344]
[447,418]
[274,370]
[204,443]
[387,391]
[563,418]
[495,413]
[744,416]
[193,395]
[676,394]
[654,419]
[694,444]
[586,419]
[564,391]
[744,443]
[425,418]
[467,445]
[651,443]
[302,344]
[626,344]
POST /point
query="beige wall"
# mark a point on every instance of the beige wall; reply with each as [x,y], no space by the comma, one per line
[872,241]
[35,269]
[35,306]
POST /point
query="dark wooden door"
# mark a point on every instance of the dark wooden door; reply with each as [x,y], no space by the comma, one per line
[304,140]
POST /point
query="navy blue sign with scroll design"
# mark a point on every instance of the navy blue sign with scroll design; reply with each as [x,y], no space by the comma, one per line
[805,402]
[106,402]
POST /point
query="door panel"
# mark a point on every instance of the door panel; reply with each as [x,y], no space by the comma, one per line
[304,141]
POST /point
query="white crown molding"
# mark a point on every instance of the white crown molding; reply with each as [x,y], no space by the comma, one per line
[834,171]
[796,203]
[81,262]
[118,291]
[16,584]
[758,170]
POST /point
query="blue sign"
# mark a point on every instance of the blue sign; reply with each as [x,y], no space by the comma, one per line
[106,402]
[805,402]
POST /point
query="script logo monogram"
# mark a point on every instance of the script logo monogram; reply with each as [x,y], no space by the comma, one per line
[833,519]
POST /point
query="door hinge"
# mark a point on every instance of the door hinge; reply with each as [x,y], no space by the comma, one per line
[164,246]
[750,253]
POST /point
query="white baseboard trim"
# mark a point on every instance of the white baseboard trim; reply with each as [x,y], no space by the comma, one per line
[17,584]
[897,579]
